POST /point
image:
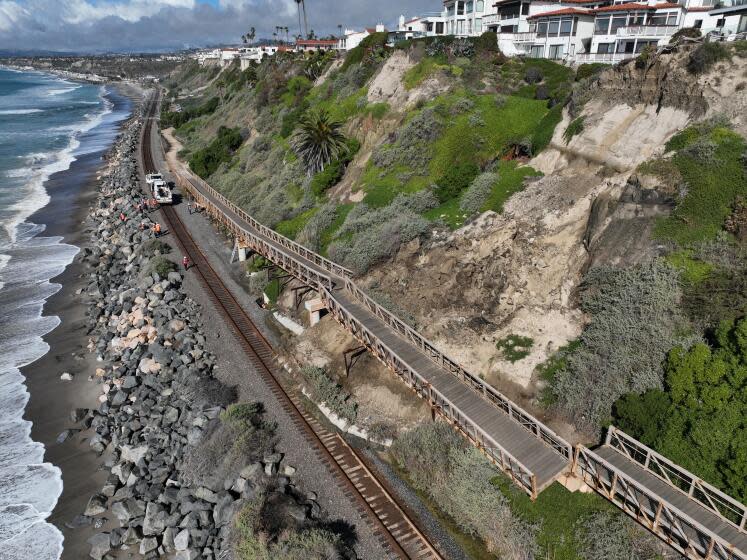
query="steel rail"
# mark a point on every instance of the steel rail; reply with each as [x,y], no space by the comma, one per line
[395,529]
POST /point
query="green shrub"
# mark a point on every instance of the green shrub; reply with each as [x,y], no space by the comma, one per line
[575,127]
[458,479]
[533,75]
[543,133]
[704,56]
[455,180]
[515,347]
[709,160]
[333,171]
[487,43]
[377,110]
[613,536]
[372,43]
[161,265]
[700,422]
[634,321]
[326,390]
[688,32]
[176,120]
[588,70]
[477,194]
[205,162]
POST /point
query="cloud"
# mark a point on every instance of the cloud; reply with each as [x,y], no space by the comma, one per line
[142,25]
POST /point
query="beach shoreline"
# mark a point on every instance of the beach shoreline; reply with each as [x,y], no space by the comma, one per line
[51,399]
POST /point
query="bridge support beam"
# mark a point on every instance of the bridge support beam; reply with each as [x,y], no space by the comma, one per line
[351,356]
[315,307]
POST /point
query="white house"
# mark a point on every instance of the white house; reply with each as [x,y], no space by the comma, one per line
[728,19]
[352,38]
[557,34]
[466,18]
[426,25]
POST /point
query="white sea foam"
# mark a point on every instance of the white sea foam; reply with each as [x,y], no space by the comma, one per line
[36,195]
[20,111]
[61,91]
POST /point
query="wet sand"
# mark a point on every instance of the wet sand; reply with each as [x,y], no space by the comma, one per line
[51,399]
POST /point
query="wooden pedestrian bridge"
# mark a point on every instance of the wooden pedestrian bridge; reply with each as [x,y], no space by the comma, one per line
[692,516]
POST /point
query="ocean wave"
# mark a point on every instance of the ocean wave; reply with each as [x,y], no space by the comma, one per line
[50,163]
[20,111]
[61,91]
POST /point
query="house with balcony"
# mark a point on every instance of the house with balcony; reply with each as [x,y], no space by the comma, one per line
[427,25]
[352,38]
[623,30]
[728,20]
[465,18]
[557,34]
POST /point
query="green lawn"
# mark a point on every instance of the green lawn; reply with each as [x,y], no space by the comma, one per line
[713,184]
[557,510]
[511,180]
[291,228]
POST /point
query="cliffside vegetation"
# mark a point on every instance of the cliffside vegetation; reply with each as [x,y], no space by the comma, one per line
[455,148]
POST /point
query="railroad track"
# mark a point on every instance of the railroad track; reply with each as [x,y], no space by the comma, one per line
[394,528]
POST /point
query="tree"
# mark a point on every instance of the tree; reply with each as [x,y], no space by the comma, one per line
[339,28]
[704,428]
[318,140]
[311,35]
[249,36]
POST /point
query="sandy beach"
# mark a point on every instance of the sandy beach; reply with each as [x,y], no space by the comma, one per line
[52,399]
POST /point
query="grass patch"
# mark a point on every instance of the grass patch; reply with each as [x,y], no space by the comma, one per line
[515,347]
[542,135]
[272,291]
[449,212]
[511,180]
[291,228]
[423,70]
[575,127]
[329,233]
[558,511]
[692,270]
[377,110]
[549,369]
[714,175]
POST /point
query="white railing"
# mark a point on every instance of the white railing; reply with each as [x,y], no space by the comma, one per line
[522,37]
[647,31]
[610,58]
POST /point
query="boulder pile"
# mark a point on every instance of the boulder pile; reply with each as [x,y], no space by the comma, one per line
[159,395]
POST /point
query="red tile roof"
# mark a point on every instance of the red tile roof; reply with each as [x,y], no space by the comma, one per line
[564,12]
[315,42]
[633,6]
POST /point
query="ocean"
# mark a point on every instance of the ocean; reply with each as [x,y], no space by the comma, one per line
[46,124]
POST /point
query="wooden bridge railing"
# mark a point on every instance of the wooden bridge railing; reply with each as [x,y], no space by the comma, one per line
[503,459]
[526,420]
[699,490]
[323,263]
[678,529]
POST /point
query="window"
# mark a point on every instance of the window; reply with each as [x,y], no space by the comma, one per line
[721,22]
[617,23]
[460,27]
[525,9]
[450,10]
[536,51]
[698,24]
[469,27]
[478,25]
[556,51]
[672,18]
[460,8]
[480,6]
[439,28]
[637,18]
[552,28]
[470,6]
[566,26]
[742,25]
[601,25]
[542,28]
[604,48]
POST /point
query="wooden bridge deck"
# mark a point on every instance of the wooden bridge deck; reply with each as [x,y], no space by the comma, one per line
[675,497]
[539,458]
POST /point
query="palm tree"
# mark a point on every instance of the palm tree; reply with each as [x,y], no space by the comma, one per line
[275,36]
[318,140]
[339,28]
[301,4]
[286,34]
[249,36]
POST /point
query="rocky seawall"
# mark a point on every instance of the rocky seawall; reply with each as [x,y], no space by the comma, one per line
[160,398]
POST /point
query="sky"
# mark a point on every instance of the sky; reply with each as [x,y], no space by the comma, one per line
[145,25]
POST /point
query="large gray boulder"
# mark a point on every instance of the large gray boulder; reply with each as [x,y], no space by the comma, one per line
[100,545]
